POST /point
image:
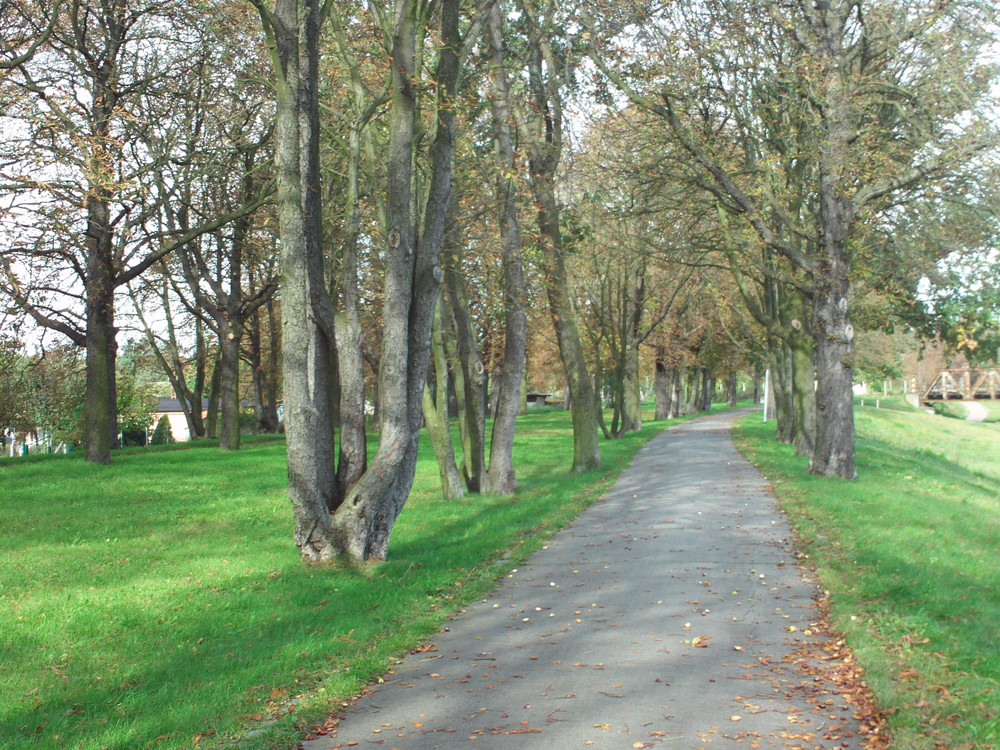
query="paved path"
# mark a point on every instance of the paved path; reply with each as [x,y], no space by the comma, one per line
[976,411]
[669,614]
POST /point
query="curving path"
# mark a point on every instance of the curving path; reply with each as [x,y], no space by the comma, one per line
[671,614]
[976,411]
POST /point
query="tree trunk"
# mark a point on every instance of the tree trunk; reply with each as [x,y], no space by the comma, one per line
[580,391]
[101,408]
[265,398]
[293,33]
[501,478]
[731,388]
[833,454]
[544,149]
[631,395]
[366,518]
[691,378]
[781,387]
[353,453]
[675,394]
[662,378]
[195,396]
[707,390]
[469,370]
[230,335]
[435,411]
[801,349]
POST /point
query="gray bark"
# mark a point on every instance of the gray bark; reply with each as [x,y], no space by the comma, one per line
[365,520]
[435,410]
[781,385]
[229,370]
[662,384]
[501,478]
[469,372]
[833,454]
[544,150]
[293,31]
[353,451]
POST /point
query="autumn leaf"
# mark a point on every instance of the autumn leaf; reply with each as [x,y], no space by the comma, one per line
[701,641]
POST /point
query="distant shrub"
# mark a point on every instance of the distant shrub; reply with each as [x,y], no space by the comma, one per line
[161,435]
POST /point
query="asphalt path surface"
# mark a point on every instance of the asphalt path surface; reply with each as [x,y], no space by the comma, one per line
[672,613]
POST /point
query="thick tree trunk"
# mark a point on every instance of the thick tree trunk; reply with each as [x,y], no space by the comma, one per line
[675,394]
[305,339]
[707,390]
[229,384]
[631,394]
[833,454]
[353,455]
[367,516]
[501,478]
[731,388]
[101,409]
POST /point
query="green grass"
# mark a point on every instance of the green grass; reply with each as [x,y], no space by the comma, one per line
[953,409]
[909,552]
[993,407]
[159,602]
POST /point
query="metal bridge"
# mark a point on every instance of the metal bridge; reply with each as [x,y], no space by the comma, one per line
[964,384]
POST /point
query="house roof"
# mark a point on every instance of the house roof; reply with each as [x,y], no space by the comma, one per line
[166,405]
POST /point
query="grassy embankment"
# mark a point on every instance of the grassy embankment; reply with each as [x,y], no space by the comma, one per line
[160,602]
[910,552]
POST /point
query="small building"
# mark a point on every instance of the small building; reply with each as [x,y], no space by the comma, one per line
[171,409]
[536,398]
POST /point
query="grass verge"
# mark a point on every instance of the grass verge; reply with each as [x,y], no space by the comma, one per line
[908,552]
[953,409]
[159,602]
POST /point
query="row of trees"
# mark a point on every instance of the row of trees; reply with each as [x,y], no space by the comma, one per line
[408,184]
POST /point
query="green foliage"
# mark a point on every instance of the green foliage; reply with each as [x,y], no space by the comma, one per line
[880,355]
[964,305]
[166,602]
[953,409]
[59,393]
[161,435]
[135,384]
[908,552]
[15,390]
